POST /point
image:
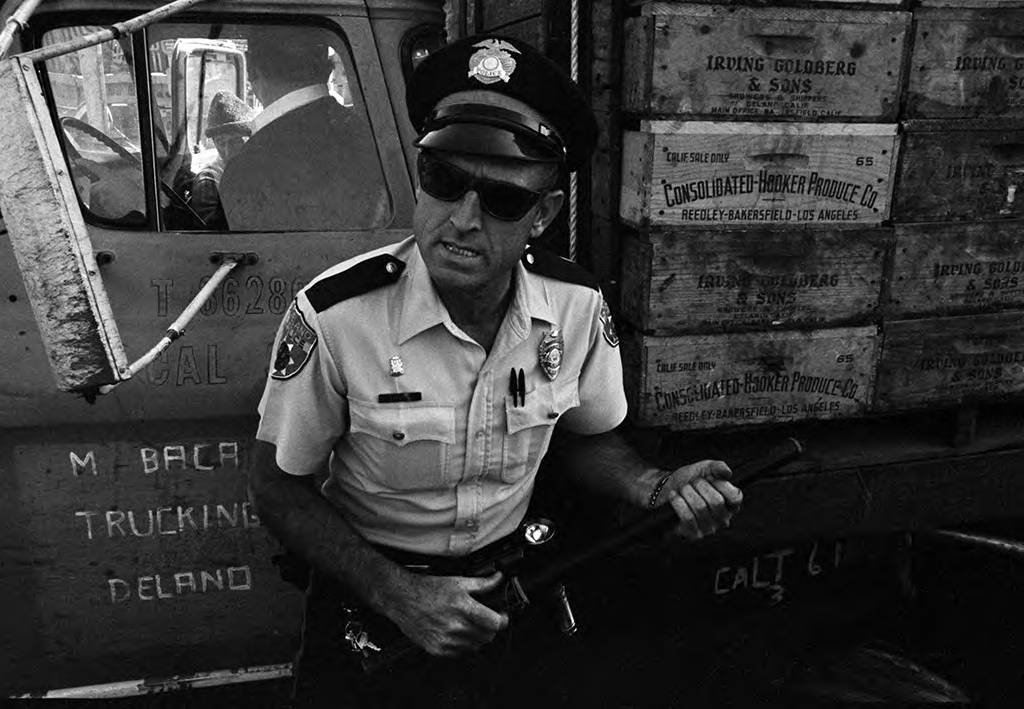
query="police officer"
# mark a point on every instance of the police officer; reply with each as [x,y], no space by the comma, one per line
[428,377]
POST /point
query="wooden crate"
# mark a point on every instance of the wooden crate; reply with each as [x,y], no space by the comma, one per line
[603,248]
[946,269]
[746,62]
[966,63]
[949,173]
[686,173]
[677,281]
[951,360]
[706,381]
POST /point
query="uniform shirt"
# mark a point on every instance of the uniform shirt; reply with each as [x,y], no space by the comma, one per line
[443,462]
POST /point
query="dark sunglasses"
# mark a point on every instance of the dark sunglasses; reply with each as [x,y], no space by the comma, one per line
[448,183]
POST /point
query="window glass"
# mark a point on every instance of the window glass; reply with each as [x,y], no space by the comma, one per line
[274,126]
[255,128]
[97,105]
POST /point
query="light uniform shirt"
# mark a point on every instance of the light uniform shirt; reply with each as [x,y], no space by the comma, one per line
[453,470]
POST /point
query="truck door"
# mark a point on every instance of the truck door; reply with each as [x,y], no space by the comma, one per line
[129,547]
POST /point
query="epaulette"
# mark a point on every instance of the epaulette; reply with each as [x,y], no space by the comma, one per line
[545,263]
[363,277]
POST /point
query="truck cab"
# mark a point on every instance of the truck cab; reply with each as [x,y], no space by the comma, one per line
[130,548]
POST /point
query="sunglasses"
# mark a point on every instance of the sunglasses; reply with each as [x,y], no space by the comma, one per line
[448,183]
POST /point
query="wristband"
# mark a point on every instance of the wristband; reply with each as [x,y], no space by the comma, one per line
[652,501]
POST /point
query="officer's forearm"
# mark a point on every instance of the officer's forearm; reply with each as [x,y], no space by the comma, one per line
[307,524]
[606,463]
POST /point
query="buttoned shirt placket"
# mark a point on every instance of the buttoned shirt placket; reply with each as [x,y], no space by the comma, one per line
[484,436]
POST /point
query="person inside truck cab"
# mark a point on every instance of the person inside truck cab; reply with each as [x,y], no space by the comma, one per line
[227,125]
[311,162]
[427,378]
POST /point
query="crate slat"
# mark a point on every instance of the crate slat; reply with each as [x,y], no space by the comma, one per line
[950,174]
[707,381]
[951,360]
[758,278]
[686,173]
[744,62]
[946,269]
[966,63]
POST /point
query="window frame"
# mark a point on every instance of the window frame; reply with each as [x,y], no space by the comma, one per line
[154,222]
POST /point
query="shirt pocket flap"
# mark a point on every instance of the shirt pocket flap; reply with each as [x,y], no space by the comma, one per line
[545,403]
[403,425]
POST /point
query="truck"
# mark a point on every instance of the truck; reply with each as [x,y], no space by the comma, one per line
[802,231]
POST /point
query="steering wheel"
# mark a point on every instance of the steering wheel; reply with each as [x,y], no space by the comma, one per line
[78,163]
[91,130]
[119,150]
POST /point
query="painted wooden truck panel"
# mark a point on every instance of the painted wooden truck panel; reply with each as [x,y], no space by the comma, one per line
[129,546]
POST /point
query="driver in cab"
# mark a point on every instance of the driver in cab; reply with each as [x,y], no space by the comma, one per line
[414,390]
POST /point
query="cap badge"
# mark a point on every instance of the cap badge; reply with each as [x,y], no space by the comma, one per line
[492,61]
[550,352]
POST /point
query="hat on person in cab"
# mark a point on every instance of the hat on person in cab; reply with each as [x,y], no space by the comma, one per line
[497,96]
[228,115]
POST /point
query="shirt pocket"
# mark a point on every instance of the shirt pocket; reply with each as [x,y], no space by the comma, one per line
[403,447]
[528,427]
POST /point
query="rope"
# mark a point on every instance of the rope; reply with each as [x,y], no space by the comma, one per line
[574,72]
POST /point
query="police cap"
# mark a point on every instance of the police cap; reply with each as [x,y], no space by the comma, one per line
[498,96]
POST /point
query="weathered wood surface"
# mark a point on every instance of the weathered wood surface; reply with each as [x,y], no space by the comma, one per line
[700,280]
[605,57]
[605,163]
[531,29]
[492,15]
[681,173]
[953,173]
[736,63]
[50,240]
[950,360]
[604,239]
[819,3]
[975,4]
[946,269]
[966,63]
[707,381]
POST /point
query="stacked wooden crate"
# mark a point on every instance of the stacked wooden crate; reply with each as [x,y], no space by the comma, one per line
[954,326]
[757,180]
[822,209]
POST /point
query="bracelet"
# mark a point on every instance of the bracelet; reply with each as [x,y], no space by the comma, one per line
[657,490]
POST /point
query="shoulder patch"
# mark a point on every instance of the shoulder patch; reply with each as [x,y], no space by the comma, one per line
[607,325]
[363,277]
[545,263]
[297,342]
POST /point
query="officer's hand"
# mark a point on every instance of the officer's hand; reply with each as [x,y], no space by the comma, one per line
[702,497]
[441,615]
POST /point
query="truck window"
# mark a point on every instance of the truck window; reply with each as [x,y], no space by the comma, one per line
[96,104]
[255,127]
